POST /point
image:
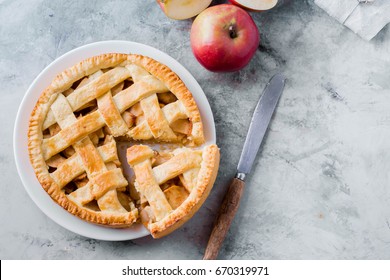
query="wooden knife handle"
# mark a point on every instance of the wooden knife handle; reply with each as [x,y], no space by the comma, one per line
[224,219]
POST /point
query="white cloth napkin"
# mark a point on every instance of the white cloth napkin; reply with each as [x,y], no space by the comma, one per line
[364,17]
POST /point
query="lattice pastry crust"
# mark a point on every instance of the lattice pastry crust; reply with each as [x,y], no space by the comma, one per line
[87,108]
[173,185]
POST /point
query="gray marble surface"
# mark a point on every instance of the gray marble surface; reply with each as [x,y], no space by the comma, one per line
[320,188]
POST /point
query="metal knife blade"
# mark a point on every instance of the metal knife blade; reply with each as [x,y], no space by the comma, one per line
[259,123]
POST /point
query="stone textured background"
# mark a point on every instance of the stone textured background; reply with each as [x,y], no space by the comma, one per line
[320,188]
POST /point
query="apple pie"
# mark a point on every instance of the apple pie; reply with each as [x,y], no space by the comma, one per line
[77,122]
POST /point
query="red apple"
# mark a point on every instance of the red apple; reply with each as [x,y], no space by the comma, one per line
[255,5]
[224,38]
[183,9]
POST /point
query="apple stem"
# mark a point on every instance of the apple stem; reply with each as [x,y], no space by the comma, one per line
[232,31]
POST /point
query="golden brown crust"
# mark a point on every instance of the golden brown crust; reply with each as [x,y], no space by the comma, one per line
[176,86]
[63,82]
[86,67]
[206,178]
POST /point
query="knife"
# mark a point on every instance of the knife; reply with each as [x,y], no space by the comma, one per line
[257,128]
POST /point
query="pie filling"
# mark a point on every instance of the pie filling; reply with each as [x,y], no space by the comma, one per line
[81,116]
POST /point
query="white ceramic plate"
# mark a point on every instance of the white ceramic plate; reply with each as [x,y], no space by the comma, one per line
[26,172]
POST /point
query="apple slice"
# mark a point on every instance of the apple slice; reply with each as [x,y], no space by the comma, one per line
[255,5]
[183,9]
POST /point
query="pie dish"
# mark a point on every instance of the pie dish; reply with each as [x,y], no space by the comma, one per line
[87,108]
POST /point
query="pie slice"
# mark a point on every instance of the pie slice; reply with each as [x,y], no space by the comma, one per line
[173,185]
[78,120]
